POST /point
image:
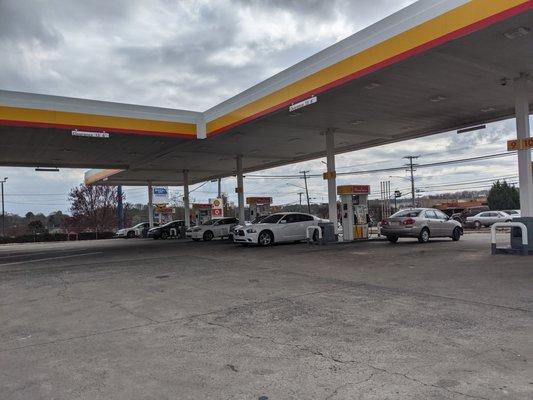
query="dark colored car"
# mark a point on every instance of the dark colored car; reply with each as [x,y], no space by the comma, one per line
[468,212]
[171,229]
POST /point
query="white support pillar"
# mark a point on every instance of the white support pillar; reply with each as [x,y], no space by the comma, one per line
[186,207]
[331,177]
[524,156]
[150,205]
[240,189]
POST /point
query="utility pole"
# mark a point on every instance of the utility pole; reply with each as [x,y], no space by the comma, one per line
[306,190]
[300,194]
[3,212]
[411,168]
[219,188]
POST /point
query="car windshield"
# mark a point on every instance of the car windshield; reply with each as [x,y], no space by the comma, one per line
[139,225]
[406,214]
[272,219]
[511,212]
[169,223]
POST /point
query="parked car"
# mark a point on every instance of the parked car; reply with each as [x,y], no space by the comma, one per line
[214,228]
[420,223]
[488,218]
[468,212]
[513,213]
[134,231]
[171,229]
[276,228]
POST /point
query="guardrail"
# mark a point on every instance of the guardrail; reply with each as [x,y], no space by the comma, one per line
[508,225]
[313,227]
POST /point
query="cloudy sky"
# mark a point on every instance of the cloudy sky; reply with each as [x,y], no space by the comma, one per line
[159,53]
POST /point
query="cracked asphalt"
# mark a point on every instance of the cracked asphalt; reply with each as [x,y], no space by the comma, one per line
[144,319]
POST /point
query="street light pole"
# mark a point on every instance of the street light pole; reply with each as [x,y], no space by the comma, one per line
[3,211]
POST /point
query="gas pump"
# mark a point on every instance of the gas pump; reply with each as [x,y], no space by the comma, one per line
[259,207]
[202,211]
[354,211]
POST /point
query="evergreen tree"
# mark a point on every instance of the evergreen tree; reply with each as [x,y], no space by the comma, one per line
[502,196]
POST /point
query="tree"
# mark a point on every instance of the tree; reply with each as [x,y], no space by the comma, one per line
[36,226]
[502,196]
[93,207]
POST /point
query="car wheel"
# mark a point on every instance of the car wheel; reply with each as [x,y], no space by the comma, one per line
[424,236]
[208,235]
[265,238]
[456,234]
[130,234]
[164,235]
[477,225]
[315,236]
[392,239]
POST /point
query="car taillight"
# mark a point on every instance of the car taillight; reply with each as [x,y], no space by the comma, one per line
[384,222]
[409,221]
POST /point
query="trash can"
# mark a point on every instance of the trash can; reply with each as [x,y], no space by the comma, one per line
[328,232]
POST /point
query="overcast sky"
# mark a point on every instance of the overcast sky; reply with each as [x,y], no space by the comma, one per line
[192,55]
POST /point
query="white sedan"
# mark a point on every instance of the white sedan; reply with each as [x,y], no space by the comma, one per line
[134,231]
[276,228]
[214,228]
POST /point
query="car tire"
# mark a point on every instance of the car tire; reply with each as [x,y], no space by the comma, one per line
[456,234]
[477,225]
[164,235]
[423,237]
[208,235]
[130,235]
[316,238]
[392,239]
[265,238]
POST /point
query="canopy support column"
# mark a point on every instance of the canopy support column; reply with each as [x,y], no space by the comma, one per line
[330,176]
[150,205]
[120,208]
[524,156]
[186,208]
[240,189]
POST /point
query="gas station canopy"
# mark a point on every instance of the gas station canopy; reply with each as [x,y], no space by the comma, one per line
[432,67]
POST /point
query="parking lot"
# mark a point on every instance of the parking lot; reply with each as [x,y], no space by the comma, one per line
[144,319]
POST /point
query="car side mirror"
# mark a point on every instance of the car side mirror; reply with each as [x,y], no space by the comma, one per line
[283,221]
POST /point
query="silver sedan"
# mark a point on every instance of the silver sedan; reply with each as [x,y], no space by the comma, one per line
[420,223]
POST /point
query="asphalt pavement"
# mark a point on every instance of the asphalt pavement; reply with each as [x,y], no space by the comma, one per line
[145,319]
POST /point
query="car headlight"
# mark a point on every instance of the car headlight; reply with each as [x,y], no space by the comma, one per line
[251,230]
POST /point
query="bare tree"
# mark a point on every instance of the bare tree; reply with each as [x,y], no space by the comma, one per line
[93,207]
